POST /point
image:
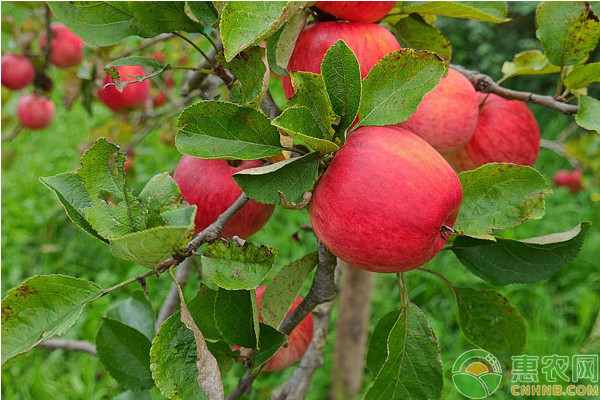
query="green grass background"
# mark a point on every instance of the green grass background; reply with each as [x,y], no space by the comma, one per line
[37,239]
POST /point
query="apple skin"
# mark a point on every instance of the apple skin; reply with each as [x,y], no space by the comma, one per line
[66,48]
[208,184]
[381,204]
[357,11]
[35,112]
[369,42]
[298,342]
[133,96]
[506,131]
[17,71]
[571,180]
[447,116]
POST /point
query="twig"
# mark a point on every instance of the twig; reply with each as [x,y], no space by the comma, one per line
[147,43]
[194,45]
[483,83]
[46,49]
[71,345]
[172,301]
[559,148]
[442,277]
[269,107]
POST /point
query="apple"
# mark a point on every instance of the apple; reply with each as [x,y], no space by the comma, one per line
[447,116]
[572,180]
[357,11]
[386,201]
[35,111]
[369,42]
[129,163]
[17,71]
[506,131]
[208,184]
[66,48]
[133,95]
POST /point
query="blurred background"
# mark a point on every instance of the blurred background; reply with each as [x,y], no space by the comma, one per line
[37,237]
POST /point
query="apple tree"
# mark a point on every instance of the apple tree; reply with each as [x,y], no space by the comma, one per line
[395,153]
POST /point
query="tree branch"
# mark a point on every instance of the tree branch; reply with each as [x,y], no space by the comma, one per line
[483,83]
[193,80]
[172,301]
[147,43]
[71,345]
[269,107]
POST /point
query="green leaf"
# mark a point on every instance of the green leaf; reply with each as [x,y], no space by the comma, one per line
[413,367]
[415,33]
[489,321]
[162,199]
[204,11]
[341,75]
[582,76]
[136,60]
[125,352]
[251,69]
[281,293]
[588,116]
[136,312]
[519,261]
[236,315]
[530,62]
[500,196]
[40,308]
[134,395]
[269,342]
[224,354]
[377,352]
[289,36]
[487,11]
[245,23]
[202,309]
[214,129]
[163,16]
[299,122]
[292,177]
[272,53]
[234,267]
[569,31]
[397,84]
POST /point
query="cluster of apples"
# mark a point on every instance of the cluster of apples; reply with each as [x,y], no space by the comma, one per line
[569,179]
[35,110]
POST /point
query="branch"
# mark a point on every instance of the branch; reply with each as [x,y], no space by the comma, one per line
[483,83]
[172,301]
[147,43]
[46,49]
[269,107]
[193,80]
[71,345]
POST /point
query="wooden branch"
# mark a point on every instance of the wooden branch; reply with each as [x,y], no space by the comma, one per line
[193,80]
[171,303]
[71,345]
[269,107]
[483,83]
[147,43]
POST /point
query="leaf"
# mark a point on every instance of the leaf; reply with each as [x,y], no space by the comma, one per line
[292,177]
[136,60]
[582,76]
[568,31]
[204,11]
[40,308]
[134,395]
[251,69]
[289,36]
[214,129]
[397,84]
[244,24]
[271,43]
[202,309]
[125,352]
[269,342]
[135,312]
[299,122]
[163,16]
[531,62]
[160,197]
[489,321]
[415,33]
[519,261]
[377,352]
[487,11]
[500,196]
[234,267]
[341,76]
[413,367]
[235,315]
[282,291]
[588,116]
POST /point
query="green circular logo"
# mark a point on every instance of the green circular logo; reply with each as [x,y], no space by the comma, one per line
[476,374]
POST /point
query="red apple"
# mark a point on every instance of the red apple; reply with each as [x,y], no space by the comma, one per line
[572,180]
[66,49]
[35,112]
[447,116]
[369,42]
[133,96]
[17,71]
[357,11]
[384,201]
[506,132]
[208,184]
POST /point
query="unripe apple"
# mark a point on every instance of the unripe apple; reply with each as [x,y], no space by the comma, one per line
[208,184]
[357,11]
[35,112]
[386,200]
[571,180]
[133,95]
[506,131]
[447,116]
[66,48]
[17,71]
[369,42]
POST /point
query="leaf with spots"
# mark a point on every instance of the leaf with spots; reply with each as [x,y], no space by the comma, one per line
[251,70]
[487,11]
[163,16]
[299,122]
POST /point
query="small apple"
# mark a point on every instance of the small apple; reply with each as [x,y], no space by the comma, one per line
[133,95]
[571,180]
[66,48]
[35,112]
[208,184]
[386,201]
[357,11]
[369,42]
[506,131]
[447,116]
[17,71]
